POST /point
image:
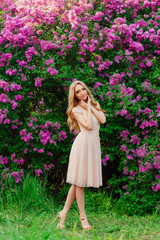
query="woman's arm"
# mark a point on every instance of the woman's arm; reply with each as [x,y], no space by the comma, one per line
[78,116]
[99,115]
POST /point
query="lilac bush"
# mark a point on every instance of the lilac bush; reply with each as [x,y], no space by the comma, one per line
[114,47]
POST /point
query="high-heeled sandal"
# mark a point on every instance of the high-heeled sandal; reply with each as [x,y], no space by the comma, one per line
[82,224]
[62,217]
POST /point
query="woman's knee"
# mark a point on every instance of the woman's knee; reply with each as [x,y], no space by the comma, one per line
[79,188]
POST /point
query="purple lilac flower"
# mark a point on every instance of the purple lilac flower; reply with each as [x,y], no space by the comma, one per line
[97,85]
[57,125]
[38,82]
[38,172]
[6,121]
[17,176]
[3,160]
[104,161]
[124,133]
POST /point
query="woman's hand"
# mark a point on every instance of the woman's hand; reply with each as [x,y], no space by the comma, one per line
[89,101]
[79,117]
[98,114]
[84,104]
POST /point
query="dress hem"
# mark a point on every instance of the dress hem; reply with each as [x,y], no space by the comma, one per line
[84,185]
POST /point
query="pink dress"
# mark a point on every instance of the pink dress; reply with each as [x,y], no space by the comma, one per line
[85,167]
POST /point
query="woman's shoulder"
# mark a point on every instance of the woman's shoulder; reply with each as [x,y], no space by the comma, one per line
[77,109]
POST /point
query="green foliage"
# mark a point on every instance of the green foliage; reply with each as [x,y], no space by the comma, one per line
[138,202]
[33,216]
[30,195]
[48,102]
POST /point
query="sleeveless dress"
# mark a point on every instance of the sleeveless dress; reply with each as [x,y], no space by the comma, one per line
[85,167]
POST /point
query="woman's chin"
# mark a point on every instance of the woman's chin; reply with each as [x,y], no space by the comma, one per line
[85,98]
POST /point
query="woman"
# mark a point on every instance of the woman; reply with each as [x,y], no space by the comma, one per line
[84,168]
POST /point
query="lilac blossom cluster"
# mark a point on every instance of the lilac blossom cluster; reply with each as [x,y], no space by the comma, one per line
[117,50]
[17,176]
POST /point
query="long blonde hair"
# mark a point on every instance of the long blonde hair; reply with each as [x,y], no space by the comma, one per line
[73,102]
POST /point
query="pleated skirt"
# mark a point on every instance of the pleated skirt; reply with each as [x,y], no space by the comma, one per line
[85,167]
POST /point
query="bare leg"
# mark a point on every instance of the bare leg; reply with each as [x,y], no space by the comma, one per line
[80,202]
[70,199]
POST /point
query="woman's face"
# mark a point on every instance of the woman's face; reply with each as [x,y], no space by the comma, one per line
[80,92]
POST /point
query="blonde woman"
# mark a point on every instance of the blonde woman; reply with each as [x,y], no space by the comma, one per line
[84,168]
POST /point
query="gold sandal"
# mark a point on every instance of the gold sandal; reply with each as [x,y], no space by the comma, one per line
[84,226]
[62,217]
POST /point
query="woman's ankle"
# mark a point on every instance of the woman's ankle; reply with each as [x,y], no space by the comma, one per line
[83,215]
[64,211]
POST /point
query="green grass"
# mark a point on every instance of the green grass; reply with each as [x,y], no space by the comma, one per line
[27,213]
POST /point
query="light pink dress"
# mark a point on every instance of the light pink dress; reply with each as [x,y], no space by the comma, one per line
[85,167]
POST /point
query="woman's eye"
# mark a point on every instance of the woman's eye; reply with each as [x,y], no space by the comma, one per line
[83,89]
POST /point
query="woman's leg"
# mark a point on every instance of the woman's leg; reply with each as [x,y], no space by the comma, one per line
[63,213]
[80,202]
[70,199]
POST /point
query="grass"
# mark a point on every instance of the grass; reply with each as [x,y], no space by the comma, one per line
[27,213]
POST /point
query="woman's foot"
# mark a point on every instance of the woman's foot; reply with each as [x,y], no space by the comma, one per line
[84,223]
[62,216]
